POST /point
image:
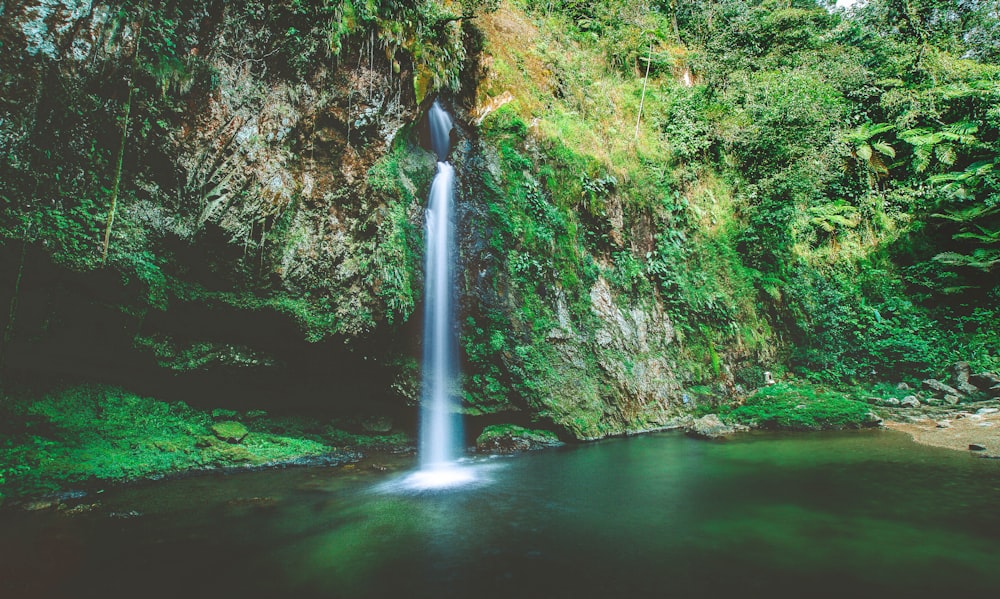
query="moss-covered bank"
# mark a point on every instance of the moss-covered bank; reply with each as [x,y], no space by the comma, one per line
[92,435]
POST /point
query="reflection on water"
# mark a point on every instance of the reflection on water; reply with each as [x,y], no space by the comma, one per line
[829,515]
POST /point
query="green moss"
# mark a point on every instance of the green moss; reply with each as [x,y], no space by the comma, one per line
[230,431]
[512,430]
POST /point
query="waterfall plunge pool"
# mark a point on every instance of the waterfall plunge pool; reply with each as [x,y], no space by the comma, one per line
[852,514]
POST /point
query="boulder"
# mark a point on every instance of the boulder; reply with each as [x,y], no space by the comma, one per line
[985,380]
[976,447]
[910,401]
[891,402]
[941,388]
[961,379]
[230,431]
[872,419]
[510,438]
[951,400]
[710,427]
[903,387]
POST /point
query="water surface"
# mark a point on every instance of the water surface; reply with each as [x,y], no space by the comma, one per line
[829,515]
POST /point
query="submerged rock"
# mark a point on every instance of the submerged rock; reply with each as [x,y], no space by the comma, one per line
[510,438]
[230,431]
[710,427]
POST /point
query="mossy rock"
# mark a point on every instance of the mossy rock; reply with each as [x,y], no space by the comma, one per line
[230,431]
[510,438]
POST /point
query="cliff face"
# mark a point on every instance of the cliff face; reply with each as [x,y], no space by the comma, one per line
[266,206]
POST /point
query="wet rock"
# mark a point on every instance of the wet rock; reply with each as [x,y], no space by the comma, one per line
[40,505]
[230,431]
[83,508]
[710,427]
[910,401]
[129,515]
[510,438]
[941,388]
[872,419]
[976,447]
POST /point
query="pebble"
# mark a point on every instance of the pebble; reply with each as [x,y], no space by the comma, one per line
[943,424]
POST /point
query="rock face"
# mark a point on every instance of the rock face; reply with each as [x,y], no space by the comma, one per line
[279,193]
[710,427]
[510,438]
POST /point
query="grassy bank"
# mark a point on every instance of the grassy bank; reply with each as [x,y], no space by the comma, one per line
[792,406]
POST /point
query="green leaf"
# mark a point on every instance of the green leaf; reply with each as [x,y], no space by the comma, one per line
[884,149]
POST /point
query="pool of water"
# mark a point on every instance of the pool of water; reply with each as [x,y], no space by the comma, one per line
[828,515]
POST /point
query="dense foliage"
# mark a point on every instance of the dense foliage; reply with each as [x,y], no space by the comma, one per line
[860,153]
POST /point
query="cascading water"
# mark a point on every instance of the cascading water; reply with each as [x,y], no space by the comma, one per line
[440,422]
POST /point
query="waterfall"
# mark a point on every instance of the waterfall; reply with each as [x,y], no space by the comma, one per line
[440,421]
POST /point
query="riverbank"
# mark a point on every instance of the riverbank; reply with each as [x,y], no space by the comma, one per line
[963,429]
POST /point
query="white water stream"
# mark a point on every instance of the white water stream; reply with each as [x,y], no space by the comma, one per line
[440,422]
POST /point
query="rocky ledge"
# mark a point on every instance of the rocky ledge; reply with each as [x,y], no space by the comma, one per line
[510,438]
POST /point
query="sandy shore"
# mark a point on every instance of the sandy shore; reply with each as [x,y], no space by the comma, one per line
[955,428]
